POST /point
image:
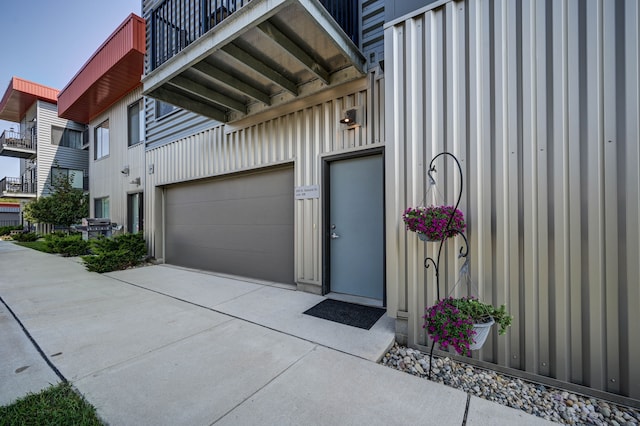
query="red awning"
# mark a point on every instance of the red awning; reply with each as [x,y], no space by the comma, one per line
[19,97]
[112,71]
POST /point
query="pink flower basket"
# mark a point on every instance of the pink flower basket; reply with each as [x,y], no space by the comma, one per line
[434,223]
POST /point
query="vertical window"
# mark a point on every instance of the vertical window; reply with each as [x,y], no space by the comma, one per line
[101,207]
[163,108]
[66,137]
[135,215]
[135,123]
[77,176]
[101,141]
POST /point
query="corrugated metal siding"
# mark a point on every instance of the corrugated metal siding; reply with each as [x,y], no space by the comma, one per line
[175,125]
[178,124]
[301,136]
[49,155]
[540,101]
[372,19]
[106,177]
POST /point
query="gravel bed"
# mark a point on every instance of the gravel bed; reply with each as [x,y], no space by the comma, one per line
[543,401]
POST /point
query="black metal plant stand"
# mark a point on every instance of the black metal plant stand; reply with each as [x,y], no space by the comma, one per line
[464,251]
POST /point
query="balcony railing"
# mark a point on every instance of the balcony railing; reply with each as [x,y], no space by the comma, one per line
[15,185]
[11,139]
[177,23]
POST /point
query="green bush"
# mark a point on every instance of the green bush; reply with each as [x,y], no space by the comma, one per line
[6,230]
[26,237]
[112,254]
[67,245]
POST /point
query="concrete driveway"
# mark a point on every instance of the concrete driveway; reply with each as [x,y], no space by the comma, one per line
[161,345]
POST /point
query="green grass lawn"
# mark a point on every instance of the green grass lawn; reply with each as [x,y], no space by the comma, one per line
[56,405]
[36,245]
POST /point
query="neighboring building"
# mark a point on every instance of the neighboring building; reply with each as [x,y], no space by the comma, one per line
[45,144]
[283,145]
[9,214]
[106,95]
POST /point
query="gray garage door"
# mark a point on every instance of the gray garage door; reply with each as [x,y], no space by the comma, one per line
[241,225]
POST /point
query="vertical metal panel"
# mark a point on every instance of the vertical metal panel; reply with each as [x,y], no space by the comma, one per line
[630,174]
[106,177]
[49,155]
[300,136]
[372,40]
[540,102]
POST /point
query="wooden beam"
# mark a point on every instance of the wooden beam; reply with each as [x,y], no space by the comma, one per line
[260,67]
[294,50]
[208,94]
[187,103]
[232,82]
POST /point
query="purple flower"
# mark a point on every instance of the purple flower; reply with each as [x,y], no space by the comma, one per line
[434,221]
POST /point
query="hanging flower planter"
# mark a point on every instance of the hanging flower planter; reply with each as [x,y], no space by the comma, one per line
[481,331]
[434,223]
[464,323]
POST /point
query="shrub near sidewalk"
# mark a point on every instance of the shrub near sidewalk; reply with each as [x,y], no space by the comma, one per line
[67,245]
[6,230]
[112,254]
[25,237]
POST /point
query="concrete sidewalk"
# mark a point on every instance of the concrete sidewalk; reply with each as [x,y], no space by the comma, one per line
[161,345]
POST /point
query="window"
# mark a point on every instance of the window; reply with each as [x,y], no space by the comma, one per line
[163,108]
[135,215]
[77,176]
[101,141]
[66,137]
[135,119]
[101,207]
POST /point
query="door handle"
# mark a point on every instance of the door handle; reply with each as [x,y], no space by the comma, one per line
[334,236]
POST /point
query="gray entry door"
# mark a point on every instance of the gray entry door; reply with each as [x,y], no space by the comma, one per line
[356,227]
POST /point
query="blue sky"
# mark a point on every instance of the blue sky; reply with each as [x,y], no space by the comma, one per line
[47,42]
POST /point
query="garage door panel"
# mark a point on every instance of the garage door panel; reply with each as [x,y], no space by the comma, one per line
[240,212]
[230,212]
[238,187]
[234,237]
[241,225]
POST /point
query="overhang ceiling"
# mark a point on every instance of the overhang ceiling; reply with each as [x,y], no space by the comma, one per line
[265,54]
[21,95]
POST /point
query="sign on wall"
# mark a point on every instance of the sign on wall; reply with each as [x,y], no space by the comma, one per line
[307,192]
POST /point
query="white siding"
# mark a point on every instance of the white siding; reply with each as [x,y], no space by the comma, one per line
[301,135]
[540,101]
[49,155]
[106,177]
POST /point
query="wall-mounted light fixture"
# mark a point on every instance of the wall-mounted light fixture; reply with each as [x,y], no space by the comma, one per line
[349,117]
[125,170]
[136,181]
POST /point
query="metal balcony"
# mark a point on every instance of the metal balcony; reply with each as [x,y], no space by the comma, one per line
[17,145]
[14,187]
[226,59]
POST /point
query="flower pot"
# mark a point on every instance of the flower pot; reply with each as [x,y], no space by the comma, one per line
[482,332]
[425,237]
